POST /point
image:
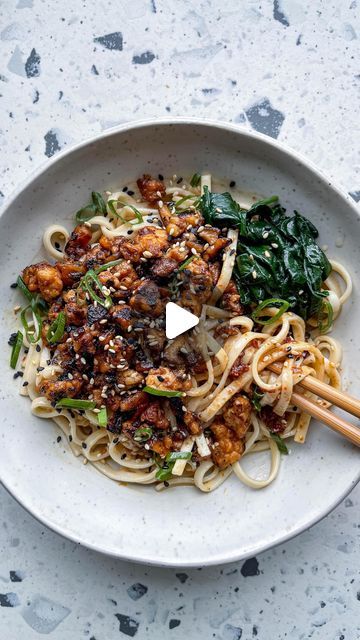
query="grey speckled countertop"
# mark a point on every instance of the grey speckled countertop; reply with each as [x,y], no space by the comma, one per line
[286,68]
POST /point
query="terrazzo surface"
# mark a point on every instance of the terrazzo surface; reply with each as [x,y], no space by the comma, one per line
[72,69]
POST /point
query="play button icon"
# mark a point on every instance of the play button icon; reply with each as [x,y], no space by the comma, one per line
[178,320]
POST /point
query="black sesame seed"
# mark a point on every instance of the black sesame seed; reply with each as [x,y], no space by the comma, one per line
[13,285]
[130,231]
[160,378]
[26,350]
[160,176]
[123,456]
[84,445]
[70,438]
[25,384]
[178,180]
[124,189]
[166,483]
[48,362]
[40,369]
[18,374]
[12,339]
[57,245]
[38,348]
[130,193]
[58,439]
[232,183]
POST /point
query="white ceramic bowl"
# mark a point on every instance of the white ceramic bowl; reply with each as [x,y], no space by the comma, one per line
[180,527]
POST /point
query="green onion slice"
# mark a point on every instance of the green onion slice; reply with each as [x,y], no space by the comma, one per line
[179,202]
[112,206]
[89,277]
[142,434]
[165,472]
[195,180]
[30,329]
[329,312]
[56,330]
[270,302]
[178,455]
[185,264]
[256,397]
[73,403]
[102,417]
[86,213]
[16,349]
[23,288]
[108,265]
[163,392]
[280,443]
[99,202]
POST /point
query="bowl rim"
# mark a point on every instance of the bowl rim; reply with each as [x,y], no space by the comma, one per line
[219,558]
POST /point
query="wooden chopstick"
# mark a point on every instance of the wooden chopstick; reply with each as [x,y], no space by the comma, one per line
[340,399]
[333,421]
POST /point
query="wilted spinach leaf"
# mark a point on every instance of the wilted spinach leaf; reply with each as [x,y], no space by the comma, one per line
[278,255]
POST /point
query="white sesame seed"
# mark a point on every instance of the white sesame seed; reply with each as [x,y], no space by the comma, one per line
[201,228]
[101,338]
[122,287]
[147,254]
[254,274]
[129,329]
[83,360]
[17,308]
[172,231]
[70,376]
[103,321]
[265,234]
[111,350]
[267,254]
[274,245]
[106,347]
[193,251]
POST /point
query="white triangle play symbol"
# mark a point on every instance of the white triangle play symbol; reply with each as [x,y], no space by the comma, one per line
[178,320]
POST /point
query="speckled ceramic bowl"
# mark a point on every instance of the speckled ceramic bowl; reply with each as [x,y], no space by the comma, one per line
[180,527]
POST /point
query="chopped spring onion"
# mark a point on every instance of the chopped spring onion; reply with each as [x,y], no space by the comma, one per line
[185,264]
[256,315]
[99,202]
[165,472]
[329,313]
[180,202]
[112,206]
[23,288]
[256,397]
[162,392]
[142,434]
[90,276]
[73,403]
[178,455]
[90,210]
[195,180]
[102,417]
[56,330]
[30,329]
[86,213]
[16,349]
[108,265]
[280,443]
